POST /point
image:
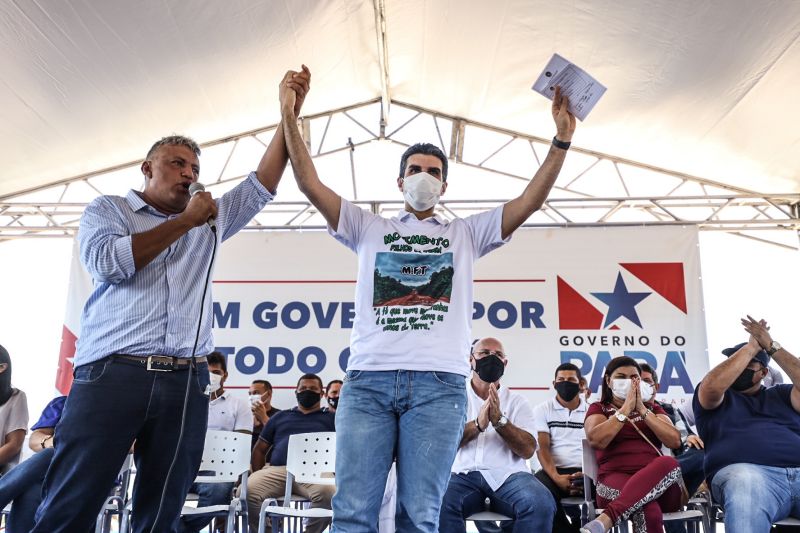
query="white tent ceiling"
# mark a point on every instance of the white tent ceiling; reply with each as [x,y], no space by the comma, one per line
[707,88]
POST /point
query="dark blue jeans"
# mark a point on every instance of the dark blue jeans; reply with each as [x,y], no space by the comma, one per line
[522,497]
[23,486]
[113,403]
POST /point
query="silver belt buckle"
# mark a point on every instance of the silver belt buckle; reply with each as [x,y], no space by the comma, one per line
[150,365]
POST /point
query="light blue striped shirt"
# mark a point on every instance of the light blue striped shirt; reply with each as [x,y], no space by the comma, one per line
[154,310]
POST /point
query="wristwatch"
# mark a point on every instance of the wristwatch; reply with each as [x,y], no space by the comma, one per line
[621,417]
[773,347]
[502,422]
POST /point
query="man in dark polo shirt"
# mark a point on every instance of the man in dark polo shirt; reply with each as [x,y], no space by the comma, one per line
[270,481]
[752,433]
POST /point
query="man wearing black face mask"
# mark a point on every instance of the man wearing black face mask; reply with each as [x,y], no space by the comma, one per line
[332,395]
[559,427]
[270,481]
[491,459]
[751,433]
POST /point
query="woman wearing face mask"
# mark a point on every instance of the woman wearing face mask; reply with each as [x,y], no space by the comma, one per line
[13,416]
[634,480]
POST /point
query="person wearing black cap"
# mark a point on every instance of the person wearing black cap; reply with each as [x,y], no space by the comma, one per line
[751,433]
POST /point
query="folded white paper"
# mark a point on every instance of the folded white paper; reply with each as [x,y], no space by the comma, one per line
[582,90]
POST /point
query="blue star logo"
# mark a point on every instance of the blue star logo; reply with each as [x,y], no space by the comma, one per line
[621,303]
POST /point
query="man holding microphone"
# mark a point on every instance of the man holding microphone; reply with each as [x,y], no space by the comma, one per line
[140,371]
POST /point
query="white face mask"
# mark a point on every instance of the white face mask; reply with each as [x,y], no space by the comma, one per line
[215,380]
[255,399]
[421,191]
[647,390]
[621,387]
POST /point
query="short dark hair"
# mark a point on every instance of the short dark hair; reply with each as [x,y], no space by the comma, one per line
[216,358]
[425,149]
[309,376]
[334,382]
[267,384]
[568,366]
[649,369]
[623,360]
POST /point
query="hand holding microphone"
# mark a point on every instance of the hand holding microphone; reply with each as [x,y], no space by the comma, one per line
[202,208]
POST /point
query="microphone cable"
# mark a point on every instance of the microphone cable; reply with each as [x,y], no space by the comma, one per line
[189,371]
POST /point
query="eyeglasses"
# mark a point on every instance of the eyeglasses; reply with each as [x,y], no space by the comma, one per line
[486,353]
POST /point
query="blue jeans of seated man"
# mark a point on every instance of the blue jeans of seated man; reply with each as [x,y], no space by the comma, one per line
[208,494]
[417,417]
[522,497]
[755,496]
[22,485]
[112,403]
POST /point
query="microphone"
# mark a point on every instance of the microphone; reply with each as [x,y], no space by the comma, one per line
[195,188]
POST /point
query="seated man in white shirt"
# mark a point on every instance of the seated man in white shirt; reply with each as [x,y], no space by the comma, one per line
[491,459]
[225,413]
[559,428]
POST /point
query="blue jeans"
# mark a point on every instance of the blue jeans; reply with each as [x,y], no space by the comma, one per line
[755,496]
[208,494]
[113,403]
[23,486]
[522,497]
[417,417]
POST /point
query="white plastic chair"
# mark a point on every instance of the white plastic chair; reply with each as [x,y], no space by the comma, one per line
[488,516]
[590,469]
[311,458]
[115,504]
[227,453]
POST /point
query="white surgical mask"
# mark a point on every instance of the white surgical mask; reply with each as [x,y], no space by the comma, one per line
[620,388]
[215,380]
[255,399]
[421,191]
[647,390]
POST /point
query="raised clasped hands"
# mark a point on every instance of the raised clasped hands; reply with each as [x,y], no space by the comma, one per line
[293,89]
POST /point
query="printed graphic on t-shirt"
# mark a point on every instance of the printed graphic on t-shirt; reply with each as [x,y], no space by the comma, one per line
[411,290]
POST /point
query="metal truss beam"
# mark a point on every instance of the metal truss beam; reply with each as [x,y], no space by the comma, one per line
[679,199]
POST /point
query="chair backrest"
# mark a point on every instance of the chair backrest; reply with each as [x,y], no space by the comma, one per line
[589,465]
[227,453]
[311,457]
[589,468]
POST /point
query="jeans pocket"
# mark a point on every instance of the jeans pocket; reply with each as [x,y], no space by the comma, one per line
[352,375]
[450,379]
[89,373]
[200,377]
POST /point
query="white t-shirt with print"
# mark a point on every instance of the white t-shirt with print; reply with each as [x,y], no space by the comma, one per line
[414,288]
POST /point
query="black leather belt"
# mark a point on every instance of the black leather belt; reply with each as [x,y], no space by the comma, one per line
[161,363]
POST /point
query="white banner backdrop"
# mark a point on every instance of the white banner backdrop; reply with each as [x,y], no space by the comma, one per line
[283,306]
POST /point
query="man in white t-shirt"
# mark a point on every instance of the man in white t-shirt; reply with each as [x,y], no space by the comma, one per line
[559,428]
[492,457]
[225,413]
[404,392]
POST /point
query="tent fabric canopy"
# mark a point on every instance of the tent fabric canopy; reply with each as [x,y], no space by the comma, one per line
[706,88]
